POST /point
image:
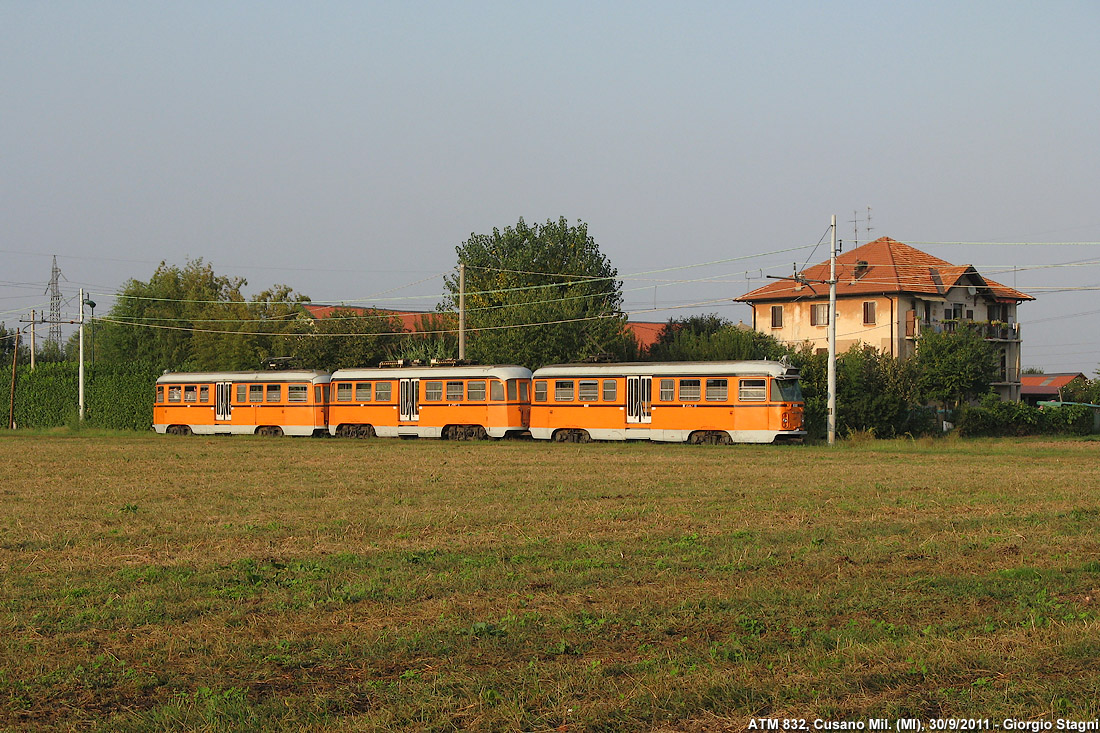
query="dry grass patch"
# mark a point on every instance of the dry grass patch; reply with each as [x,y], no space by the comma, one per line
[159,582]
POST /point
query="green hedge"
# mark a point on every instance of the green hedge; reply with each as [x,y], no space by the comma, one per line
[994,419]
[115,397]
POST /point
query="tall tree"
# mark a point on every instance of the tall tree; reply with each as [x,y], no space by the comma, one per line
[190,318]
[539,294]
[954,367]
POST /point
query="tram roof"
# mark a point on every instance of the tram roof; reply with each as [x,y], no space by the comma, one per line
[684,368]
[290,375]
[500,371]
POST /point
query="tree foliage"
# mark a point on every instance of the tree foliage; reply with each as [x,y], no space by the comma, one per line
[190,319]
[710,337]
[345,339]
[539,294]
[954,367]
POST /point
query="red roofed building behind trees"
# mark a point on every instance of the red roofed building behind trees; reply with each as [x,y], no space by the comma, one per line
[887,294]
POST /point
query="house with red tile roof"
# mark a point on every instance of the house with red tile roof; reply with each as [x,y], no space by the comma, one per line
[887,294]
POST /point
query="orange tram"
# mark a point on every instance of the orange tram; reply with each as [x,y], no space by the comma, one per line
[693,402]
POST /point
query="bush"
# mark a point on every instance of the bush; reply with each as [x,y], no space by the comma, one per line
[993,418]
[117,397]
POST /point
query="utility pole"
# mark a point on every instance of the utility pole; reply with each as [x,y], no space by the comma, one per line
[11,397]
[80,368]
[32,340]
[831,282]
[832,336]
[461,311]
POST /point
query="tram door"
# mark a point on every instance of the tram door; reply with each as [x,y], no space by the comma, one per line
[409,399]
[639,399]
[223,408]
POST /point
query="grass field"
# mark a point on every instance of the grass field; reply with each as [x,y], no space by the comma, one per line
[153,582]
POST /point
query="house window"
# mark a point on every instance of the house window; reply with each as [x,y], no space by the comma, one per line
[868,313]
[777,316]
[819,314]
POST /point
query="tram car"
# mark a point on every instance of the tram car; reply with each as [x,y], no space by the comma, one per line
[242,403]
[693,402]
[449,402]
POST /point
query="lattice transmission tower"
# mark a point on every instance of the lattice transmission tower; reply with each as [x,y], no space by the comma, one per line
[55,303]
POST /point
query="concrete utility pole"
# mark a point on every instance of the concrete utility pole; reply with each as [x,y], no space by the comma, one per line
[11,397]
[832,336]
[32,340]
[462,311]
[80,368]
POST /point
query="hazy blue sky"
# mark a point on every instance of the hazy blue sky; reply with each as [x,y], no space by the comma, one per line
[346,148]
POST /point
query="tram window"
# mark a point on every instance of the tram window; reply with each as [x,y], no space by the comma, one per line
[588,390]
[609,389]
[274,393]
[343,392]
[383,391]
[320,394]
[297,393]
[174,393]
[667,390]
[689,390]
[476,390]
[242,393]
[255,393]
[204,393]
[753,390]
[362,391]
[524,391]
[540,391]
[513,390]
[433,391]
[160,394]
[496,391]
[717,390]
[454,391]
[190,393]
[563,390]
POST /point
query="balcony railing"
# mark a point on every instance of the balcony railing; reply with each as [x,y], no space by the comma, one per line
[989,330]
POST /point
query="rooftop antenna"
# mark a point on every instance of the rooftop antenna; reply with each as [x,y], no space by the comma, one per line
[55,303]
[869,227]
